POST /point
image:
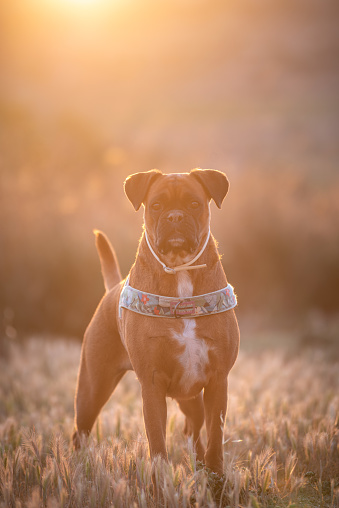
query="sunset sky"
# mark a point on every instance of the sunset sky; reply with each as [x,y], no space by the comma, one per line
[94,90]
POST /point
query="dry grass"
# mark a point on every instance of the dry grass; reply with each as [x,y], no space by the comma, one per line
[281,437]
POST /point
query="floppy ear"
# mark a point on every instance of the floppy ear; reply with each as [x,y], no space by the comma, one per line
[136,186]
[214,182]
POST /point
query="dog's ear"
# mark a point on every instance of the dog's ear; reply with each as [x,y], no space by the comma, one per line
[136,186]
[214,182]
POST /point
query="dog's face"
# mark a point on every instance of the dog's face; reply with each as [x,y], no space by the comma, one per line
[177,211]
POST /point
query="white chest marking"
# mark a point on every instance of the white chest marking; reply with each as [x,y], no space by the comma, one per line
[185,286]
[195,356]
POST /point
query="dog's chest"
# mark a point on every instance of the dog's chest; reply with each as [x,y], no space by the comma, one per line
[193,359]
[194,356]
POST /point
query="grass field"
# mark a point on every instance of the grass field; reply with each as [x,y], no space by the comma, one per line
[281,436]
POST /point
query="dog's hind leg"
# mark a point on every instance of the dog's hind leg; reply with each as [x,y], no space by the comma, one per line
[88,404]
[103,363]
[193,409]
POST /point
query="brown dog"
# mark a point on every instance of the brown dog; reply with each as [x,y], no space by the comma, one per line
[188,358]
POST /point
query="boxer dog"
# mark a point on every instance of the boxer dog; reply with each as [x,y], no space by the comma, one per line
[160,322]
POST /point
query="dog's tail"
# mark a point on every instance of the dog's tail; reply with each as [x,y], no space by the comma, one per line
[109,264]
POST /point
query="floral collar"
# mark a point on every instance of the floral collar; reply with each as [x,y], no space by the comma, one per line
[173,307]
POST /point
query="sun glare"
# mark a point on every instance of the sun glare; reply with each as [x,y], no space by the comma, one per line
[80,2]
[81,7]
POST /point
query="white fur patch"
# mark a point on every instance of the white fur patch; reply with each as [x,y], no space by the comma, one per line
[195,356]
[185,286]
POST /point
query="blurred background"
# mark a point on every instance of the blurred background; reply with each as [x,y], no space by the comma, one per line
[94,90]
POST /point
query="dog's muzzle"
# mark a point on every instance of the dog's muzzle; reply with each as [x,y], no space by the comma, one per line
[176,231]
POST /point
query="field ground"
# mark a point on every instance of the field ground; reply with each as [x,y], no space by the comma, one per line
[281,436]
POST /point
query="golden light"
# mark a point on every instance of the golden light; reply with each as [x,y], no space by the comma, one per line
[81,2]
[78,6]
[88,11]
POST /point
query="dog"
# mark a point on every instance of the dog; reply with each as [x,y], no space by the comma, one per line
[172,320]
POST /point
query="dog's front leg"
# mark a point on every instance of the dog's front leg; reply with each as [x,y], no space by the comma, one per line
[155,415]
[215,403]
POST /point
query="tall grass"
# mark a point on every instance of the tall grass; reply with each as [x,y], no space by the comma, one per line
[281,437]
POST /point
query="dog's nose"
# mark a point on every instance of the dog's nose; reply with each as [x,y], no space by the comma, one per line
[175,216]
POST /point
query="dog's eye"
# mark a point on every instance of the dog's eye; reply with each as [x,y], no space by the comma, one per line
[156,206]
[194,204]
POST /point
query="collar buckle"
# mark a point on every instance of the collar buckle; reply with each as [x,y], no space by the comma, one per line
[183,308]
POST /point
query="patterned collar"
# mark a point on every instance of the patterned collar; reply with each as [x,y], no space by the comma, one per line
[172,307]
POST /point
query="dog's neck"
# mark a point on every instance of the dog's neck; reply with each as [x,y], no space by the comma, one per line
[184,283]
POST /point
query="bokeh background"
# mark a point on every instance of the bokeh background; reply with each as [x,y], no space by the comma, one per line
[94,90]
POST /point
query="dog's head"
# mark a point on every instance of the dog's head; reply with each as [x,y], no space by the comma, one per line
[177,211]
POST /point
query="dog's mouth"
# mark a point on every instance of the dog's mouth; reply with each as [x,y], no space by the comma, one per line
[176,243]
